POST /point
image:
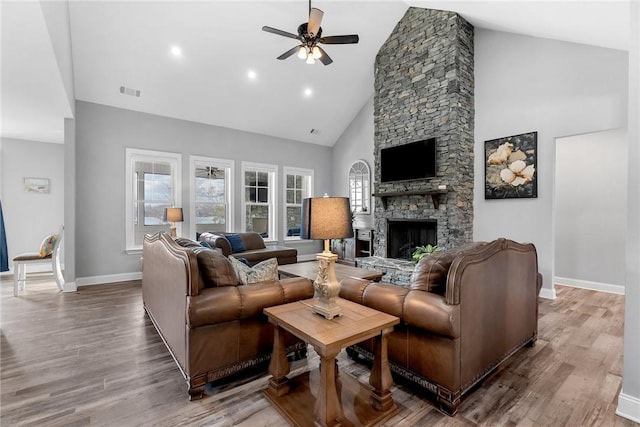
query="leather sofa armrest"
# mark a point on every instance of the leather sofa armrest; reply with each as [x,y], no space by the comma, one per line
[353,289]
[386,297]
[430,312]
[214,305]
[217,241]
[296,288]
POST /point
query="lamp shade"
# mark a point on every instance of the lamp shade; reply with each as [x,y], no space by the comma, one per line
[326,218]
[173,214]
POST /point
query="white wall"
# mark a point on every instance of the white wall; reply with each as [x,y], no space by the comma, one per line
[356,143]
[56,15]
[629,398]
[590,210]
[103,133]
[30,217]
[525,84]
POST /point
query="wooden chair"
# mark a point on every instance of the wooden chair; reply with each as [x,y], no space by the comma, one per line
[21,261]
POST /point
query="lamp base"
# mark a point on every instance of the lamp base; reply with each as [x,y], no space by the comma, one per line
[173,231]
[327,286]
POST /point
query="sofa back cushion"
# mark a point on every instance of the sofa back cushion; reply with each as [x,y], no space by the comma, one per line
[252,241]
[430,274]
[215,268]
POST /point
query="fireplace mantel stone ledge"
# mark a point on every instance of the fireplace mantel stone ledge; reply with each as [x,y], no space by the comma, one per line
[394,271]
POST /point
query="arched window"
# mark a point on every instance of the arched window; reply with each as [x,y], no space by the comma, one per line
[359,187]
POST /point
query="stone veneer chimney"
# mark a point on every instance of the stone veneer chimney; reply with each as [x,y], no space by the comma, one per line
[423,89]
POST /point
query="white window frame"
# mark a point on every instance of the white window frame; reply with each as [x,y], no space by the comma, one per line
[272,170]
[288,170]
[229,167]
[133,155]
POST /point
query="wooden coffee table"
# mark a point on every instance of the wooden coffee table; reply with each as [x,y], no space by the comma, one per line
[309,270]
[307,400]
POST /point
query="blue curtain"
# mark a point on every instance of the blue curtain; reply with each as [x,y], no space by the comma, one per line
[4,254]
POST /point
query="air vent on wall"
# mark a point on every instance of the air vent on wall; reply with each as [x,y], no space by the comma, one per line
[129,91]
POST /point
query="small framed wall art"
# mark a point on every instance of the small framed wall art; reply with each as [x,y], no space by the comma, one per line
[511,167]
[36,185]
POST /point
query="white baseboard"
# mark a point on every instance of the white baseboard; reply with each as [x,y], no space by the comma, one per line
[108,278]
[585,284]
[628,407]
[548,293]
[308,257]
[69,287]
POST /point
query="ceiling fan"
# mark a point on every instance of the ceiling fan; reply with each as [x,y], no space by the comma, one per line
[310,34]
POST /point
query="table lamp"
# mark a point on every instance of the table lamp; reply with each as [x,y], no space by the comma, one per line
[325,218]
[173,215]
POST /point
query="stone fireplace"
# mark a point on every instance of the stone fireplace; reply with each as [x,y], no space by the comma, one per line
[404,235]
[424,89]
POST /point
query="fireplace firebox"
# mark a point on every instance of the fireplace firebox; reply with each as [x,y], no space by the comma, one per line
[403,235]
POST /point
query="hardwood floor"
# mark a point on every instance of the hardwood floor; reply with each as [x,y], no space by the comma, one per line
[93,358]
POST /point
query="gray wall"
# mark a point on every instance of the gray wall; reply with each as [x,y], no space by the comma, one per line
[356,143]
[30,217]
[103,133]
[526,84]
[590,210]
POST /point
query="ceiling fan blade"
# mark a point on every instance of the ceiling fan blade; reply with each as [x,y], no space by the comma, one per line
[353,38]
[280,32]
[289,52]
[315,18]
[325,59]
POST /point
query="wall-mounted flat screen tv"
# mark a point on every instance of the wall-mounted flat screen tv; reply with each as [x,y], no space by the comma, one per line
[415,160]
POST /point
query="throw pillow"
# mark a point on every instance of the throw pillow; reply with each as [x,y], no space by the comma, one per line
[237,245]
[264,271]
[46,248]
[205,245]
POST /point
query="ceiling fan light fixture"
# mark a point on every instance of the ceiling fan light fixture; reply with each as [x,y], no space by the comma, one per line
[302,52]
[316,52]
[310,59]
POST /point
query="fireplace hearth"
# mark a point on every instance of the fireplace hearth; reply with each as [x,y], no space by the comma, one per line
[404,235]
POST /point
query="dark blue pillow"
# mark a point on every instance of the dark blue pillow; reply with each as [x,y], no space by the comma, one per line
[245,261]
[236,243]
[206,245]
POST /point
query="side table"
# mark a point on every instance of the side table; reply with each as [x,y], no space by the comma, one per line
[356,404]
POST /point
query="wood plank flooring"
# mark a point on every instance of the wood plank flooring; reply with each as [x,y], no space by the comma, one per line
[93,358]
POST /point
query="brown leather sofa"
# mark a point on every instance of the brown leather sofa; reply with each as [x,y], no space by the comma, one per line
[465,312]
[212,326]
[255,249]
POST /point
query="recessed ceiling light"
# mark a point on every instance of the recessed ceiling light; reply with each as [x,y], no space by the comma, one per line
[252,75]
[308,92]
[176,51]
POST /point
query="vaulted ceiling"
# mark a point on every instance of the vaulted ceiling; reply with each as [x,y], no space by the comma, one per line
[124,43]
